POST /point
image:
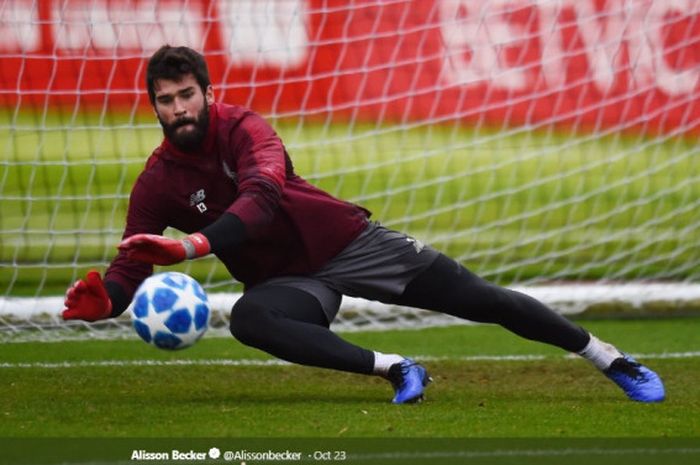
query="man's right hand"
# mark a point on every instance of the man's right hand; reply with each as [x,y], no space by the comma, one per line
[87,299]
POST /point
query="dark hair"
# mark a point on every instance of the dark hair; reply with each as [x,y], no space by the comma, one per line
[173,63]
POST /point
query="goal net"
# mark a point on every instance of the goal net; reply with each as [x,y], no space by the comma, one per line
[546,145]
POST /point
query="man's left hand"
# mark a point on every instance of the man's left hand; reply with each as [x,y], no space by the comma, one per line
[160,250]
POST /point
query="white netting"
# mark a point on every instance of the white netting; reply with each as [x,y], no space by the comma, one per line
[534,141]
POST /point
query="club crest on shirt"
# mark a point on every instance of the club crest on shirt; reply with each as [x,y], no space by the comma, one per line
[230,173]
[197,199]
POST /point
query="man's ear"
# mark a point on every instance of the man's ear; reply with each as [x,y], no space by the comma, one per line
[209,95]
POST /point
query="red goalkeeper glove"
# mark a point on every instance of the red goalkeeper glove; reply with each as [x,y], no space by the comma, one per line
[87,299]
[159,250]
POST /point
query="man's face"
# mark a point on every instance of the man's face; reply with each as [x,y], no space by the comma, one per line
[183,111]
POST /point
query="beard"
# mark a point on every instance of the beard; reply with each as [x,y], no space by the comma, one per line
[190,140]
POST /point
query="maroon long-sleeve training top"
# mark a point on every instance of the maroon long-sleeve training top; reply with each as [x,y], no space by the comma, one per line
[292,227]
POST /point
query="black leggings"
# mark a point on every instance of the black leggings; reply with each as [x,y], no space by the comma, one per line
[450,288]
[290,323]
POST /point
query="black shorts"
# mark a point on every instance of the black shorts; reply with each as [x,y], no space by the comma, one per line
[376,266]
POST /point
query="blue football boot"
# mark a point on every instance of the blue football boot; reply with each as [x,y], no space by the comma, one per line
[409,380]
[638,382]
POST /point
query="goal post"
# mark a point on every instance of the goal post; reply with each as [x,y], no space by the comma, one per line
[548,146]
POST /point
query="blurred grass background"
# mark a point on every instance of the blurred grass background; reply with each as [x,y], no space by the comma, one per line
[516,206]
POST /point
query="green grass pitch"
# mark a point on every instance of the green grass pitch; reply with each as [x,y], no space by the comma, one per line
[108,389]
[496,399]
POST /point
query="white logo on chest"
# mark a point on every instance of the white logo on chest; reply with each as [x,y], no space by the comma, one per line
[197,199]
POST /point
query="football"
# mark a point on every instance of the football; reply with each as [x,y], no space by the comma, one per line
[171,311]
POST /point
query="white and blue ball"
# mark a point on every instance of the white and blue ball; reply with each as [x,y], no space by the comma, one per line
[171,311]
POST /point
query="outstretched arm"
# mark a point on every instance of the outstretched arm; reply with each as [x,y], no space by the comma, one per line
[160,250]
[261,166]
[95,298]
[228,231]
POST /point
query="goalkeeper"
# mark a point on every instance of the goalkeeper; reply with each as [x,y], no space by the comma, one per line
[223,176]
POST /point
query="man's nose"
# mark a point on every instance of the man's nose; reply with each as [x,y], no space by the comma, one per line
[179,108]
